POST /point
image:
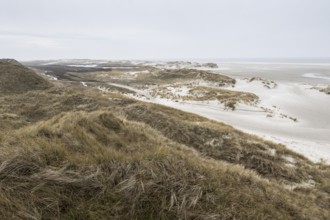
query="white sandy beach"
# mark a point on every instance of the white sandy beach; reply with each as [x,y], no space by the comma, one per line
[292,113]
[309,136]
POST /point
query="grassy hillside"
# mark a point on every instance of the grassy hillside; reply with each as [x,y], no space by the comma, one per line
[16,78]
[182,75]
[69,153]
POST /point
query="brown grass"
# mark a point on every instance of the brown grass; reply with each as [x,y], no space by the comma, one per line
[79,154]
[326,90]
[175,75]
[98,166]
[16,78]
[228,97]
[221,142]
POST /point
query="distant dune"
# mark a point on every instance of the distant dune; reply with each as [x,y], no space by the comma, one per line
[16,78]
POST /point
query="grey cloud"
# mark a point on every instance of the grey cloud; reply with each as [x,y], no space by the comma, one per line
[164,29]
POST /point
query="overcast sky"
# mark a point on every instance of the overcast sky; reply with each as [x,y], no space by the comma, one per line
[164,29]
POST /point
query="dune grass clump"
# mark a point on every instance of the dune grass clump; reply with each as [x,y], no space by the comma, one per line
[183,75]
[326,90]
[188,92]
[228,97]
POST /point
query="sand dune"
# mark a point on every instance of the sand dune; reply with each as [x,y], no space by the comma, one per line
[289,112]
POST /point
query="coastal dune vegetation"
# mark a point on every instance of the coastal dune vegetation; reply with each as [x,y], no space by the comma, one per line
[69,152]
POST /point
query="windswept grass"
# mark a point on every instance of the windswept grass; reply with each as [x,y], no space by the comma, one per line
[187,92]
[222,142]
[98,166]
[16,78]
[175,75]
[228,97]
[67,153]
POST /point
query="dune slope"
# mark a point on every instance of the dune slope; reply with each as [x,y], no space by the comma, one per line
[16,78]
[80,154]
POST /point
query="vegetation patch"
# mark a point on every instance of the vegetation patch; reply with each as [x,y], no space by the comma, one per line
[96,165]
[203,93]
[16,78]
[228,97]
[269,84]
[182,75]
[326,90]
[73,153]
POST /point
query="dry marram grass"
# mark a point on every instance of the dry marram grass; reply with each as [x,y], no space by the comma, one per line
[71,154]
